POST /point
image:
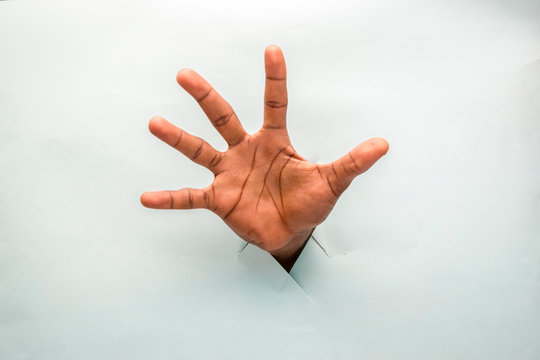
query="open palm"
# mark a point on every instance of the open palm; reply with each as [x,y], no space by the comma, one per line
[263,189]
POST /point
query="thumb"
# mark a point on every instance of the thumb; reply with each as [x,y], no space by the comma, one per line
[357,161]
[363,156]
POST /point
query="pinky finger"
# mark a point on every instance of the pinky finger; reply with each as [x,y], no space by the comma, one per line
[176,199]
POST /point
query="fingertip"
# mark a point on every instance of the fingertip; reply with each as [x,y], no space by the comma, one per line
[381,144]
[143,199]
[272,48]
[155,124]
[274,62]
[273,54]
[154,200]
[184,76]
[180,74]
[193,83]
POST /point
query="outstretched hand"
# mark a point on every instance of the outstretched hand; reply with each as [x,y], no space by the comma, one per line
[263,189]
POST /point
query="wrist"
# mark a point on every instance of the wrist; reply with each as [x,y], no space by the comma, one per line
[287,255]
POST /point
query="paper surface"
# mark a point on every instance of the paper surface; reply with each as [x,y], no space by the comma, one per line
[432,254]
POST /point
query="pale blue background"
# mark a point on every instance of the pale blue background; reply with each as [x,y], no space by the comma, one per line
[433,254]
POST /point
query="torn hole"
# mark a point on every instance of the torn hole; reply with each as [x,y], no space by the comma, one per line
[322,247]
[263,265]
[242,248]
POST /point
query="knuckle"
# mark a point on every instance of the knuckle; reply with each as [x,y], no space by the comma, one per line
[223,120]
[275,104]
[198,152]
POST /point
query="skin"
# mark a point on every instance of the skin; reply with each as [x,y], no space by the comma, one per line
[263,189]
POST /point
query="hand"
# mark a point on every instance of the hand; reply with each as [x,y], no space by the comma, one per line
[263,189]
